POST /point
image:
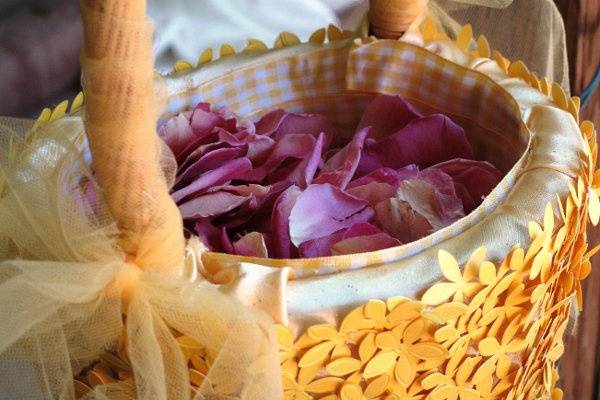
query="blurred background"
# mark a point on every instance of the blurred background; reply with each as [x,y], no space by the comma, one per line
[40,42]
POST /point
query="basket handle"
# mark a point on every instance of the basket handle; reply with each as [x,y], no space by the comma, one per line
[120,121]
[389,19]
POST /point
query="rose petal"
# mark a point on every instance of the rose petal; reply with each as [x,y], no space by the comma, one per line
[473,180]
[280,226]
[361,244]
[398,219]
[289,146]
[227,172]
[437,203]
[425,141]
[373,193]
[211,160]
[323,209]
[303,173]
[211,204]
[386,115]
[340,168]
[208,234]
[251,245]
[321,247]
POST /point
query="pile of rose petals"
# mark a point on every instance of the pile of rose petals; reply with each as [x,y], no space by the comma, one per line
[289,186]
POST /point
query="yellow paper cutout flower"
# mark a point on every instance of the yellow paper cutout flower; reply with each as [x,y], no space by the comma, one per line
[453,386]
[509,344]
[460,286]
[305,386]
[401,349]
[352,367]
[373,391]
[330,343]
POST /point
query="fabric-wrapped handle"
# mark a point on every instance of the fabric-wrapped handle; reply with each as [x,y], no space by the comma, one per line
[389,19]
[120,121]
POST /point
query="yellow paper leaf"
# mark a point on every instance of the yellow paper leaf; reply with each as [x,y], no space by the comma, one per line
[375,309]
[285,39]
[450,311]
[343,366]
[464,37]
[594,208]
[386,341]
[405,311]
[489,346]
[413,331]
[446,333]
[449,266]
[324,385]
[285,338]
[439,293]
[351,392]
[318,36]
[206,56]
[334,33]
[316,354]
[483,47]
[380,364]
[428,351]
[322,332]
[226,50]
[405,371]
[367,347]
[487,273]
[377,386]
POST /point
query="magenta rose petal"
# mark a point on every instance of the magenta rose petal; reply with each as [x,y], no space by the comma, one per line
[425,141]
[282,246]
[211,160]
[386,115]
[362,244]
[251,245]
[475,178]
[290,146]
[323,209]
[303,173]
[269,123]
[225,173]
[177,133]
[340,168]
[226,242]
[211,204]
[320,247]
[208,234]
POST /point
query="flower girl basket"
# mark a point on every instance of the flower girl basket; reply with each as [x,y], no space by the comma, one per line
[104,298]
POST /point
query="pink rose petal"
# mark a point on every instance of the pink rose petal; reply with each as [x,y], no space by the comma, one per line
[219,176]
[282,246]
[425,141]
[362,244]
[211,160]
[303,173]
[473,180]
[386,115]
[251,245]
[340,168]
[323,209]
[211,204]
